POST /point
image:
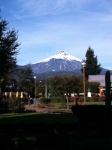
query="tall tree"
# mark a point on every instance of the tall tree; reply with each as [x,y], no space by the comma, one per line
[8,49]
[92,65]
[26,80]
[65,84]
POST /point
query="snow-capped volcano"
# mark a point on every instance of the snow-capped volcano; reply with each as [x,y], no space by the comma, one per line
[61,62]
[62,55]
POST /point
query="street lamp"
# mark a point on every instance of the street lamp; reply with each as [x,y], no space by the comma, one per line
[35,86]
[46,86]
[84,86]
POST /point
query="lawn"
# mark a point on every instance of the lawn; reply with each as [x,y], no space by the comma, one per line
[35,130]
[53,131]
[64,105]
[95,103]
[37,118]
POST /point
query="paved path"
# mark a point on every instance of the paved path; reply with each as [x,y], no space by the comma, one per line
[36,108]
[46,109]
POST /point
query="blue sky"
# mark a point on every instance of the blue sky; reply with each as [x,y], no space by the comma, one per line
[47,27]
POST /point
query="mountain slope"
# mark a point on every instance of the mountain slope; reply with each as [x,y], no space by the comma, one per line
[60,62]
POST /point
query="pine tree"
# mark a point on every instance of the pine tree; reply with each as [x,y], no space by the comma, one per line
[92,66]
[8,49]
[25,79]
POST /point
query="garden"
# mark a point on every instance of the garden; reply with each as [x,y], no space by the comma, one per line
[83,127]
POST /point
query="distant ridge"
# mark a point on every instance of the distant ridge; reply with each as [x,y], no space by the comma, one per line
[60,64]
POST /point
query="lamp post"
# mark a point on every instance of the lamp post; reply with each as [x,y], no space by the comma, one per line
[46,86]
[35,86]
[84,86]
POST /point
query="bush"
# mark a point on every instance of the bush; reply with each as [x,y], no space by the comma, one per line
[91,99]
[45,100]
[25,100]
[3,106]
[95,98]
[16,105]
[102,98]
[57,100]
[89,113]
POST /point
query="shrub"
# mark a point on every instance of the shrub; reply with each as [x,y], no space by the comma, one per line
[45,100]
[89,113]
[102,98]
[95,98]
[91,99]
[57,100]
[3,106]
[16,105]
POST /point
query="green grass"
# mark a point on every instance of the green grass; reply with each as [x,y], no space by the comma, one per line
[95,103]
[37,118]
[51,137]
[64,105]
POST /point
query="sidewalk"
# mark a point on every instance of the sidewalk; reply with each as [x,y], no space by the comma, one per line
[32,107]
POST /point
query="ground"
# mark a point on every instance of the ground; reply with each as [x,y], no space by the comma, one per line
[88,133]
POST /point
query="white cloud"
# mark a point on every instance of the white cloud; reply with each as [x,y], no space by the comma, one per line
[49,26]
[35,8]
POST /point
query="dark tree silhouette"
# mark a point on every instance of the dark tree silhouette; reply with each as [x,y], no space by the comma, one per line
[92,66]
[8,49]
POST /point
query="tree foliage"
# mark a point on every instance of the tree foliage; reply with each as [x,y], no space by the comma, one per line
[8,49]
[25,79]
[93,87]
[92,65]
[61,85]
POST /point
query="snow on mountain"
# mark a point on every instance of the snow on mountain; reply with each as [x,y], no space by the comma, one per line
[61,55]
[59,62]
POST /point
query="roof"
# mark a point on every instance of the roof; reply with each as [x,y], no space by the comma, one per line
[99,78]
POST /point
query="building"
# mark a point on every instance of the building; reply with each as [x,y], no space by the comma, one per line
[15,94]
[101,80]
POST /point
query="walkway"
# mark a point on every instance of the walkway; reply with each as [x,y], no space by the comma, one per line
[46,109]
